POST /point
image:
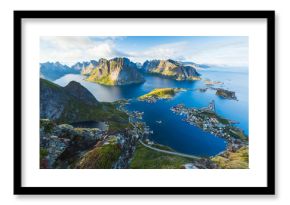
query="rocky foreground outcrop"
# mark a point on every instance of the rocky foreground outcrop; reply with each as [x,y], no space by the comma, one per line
[61,145]
[64,146]
[172,69]
[117,71]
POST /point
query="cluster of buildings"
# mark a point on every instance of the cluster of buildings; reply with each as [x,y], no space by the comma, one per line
[206,119]
[137,114]
[150,99]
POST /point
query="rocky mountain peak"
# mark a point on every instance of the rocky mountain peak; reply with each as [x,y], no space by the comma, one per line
[116,71]
[53,71]
[77,90]
[102,60]
[171,68]
[72,103]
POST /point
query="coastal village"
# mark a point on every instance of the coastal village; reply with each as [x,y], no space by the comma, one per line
[207,119]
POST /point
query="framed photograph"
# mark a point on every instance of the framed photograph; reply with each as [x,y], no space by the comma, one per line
[144,102]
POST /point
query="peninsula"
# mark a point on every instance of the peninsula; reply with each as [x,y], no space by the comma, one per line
[237,152]
[208,120]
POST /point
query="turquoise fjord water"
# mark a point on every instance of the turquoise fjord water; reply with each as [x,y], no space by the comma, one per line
[172,131]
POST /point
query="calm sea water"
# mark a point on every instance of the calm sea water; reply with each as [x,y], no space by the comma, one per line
[172,131]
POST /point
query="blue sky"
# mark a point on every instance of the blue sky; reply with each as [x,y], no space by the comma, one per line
[218,50]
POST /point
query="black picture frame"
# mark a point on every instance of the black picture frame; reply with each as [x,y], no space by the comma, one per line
[268,190]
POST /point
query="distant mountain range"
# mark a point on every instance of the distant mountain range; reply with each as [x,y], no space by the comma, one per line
[122,71]
[195,65]
[53,71]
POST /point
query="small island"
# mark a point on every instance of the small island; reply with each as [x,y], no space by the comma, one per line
[160,93]
[231,95]
[202,90]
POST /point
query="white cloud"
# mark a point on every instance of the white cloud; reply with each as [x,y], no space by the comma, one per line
[69,50]
[163,51]
[233,54]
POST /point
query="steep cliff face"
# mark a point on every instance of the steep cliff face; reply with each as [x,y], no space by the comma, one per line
[74,103]
[86,67]
[52,100]
[117,71]
[53,71]
[172,69]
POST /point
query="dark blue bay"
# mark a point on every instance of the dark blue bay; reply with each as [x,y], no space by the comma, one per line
[173,131]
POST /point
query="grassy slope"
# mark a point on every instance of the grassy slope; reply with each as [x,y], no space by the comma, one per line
[169,73]
[105,80]
[145,158]
[234,160]
[238,134]
[50,84]
[220,119]
[100,157]
[162,93]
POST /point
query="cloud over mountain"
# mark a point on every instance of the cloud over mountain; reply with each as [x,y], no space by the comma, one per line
[71,49]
